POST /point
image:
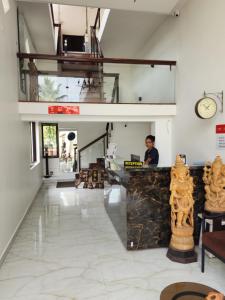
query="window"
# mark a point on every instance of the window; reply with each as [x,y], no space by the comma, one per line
[50,142]
[33,142]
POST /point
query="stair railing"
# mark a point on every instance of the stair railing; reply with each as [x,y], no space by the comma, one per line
[59,26]
[115,91]
[96,50]
[104,137]
[98,19]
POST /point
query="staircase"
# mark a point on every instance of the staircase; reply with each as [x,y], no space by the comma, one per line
[71,75]
[93,150]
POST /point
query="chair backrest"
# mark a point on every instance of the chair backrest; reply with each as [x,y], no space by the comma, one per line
[216,218]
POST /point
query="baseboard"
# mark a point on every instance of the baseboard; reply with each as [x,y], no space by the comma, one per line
[9,244]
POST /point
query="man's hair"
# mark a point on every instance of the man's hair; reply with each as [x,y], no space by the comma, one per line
[150,137]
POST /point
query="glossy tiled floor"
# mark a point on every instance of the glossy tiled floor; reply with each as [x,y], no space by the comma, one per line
[67,249]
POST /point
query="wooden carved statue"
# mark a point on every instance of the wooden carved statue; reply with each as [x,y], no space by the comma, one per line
[214,179]
[181,201]
[215,296]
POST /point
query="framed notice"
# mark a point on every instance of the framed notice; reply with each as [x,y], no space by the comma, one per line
[220,136]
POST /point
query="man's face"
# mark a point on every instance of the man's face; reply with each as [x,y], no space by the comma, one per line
[149,143]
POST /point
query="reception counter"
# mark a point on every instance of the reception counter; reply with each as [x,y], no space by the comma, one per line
[137,202]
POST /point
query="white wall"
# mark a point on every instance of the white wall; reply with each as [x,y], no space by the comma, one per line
[198,46]
[154,85]
[131,139]
[26,43]
[163,131]
[125,83]
[18,184]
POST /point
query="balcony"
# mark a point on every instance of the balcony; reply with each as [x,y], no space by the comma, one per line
[101,88]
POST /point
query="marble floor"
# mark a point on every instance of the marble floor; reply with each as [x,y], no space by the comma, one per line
[67,249]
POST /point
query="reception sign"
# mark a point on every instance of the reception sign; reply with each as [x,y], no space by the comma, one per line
[220,136]
[133,164]
[64,110]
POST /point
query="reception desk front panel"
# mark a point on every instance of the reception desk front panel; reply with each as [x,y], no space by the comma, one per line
[141,211]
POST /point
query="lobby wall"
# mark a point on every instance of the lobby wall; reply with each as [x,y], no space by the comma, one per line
[18,183]
[86,133]
[130,139]
[198,45]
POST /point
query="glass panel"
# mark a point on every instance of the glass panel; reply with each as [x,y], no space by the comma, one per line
[144,83]
[115,83]
[69,89]
[50,140]
[91,154]
[109,91]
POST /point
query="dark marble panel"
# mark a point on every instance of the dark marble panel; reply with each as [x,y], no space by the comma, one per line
[116,207]
[146,209]
[199,197]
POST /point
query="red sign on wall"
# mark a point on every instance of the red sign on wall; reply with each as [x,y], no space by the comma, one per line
[220,129]
[64,110]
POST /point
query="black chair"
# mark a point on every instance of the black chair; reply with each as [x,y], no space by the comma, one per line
[213,242]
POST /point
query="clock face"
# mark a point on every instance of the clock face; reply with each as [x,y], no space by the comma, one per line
[206,108]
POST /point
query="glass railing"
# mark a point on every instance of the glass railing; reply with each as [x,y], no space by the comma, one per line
[88,81]
[90,153]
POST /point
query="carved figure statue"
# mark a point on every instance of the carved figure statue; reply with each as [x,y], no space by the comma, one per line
[182,202]
[214,179]
[215,296]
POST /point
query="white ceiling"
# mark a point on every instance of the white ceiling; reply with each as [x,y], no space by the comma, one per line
[126,32]
[158,6]
[38,20]
[64,14]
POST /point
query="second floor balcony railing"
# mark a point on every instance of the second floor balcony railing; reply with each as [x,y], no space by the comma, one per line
[77,78]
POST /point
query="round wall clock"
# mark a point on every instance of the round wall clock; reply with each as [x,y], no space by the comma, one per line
[206,108]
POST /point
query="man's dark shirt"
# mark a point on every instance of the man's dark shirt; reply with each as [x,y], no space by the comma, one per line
[154,155]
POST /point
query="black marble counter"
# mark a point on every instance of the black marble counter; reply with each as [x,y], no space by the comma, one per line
[141,211]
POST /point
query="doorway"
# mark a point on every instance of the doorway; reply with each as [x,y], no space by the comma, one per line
[68,151]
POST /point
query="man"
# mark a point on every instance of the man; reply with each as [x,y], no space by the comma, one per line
[151,154]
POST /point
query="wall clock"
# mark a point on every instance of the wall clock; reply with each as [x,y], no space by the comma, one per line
[206,108]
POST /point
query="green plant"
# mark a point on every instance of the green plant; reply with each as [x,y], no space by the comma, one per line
[48,91]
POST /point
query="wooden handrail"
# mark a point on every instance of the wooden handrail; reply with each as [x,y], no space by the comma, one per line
[97,19]
[53,17]
[52,14]
[93,142]
[58,51]
[59,41]
[115,92]
[78,59]
[95,45]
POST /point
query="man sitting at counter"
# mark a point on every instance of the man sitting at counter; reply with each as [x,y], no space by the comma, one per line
[151,154]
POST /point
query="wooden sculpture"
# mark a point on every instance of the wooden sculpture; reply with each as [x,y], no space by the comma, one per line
[181,247]
[215,296]
[214,179]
